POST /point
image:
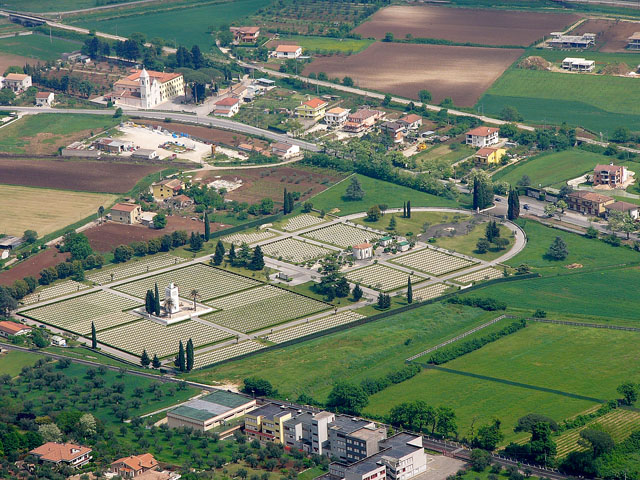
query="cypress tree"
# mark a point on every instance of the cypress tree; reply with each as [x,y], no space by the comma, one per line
[513,201]
[144,359]
[285,202]
[257,261]
[156,301]
[218,257]
[409,291]
[94,338]
[357,292]
[207,227]
[149,302]
[155,363]
[181,361]
[476,194]
[189,364]
[404,209]
[408,208]
[290,201]
[232,253]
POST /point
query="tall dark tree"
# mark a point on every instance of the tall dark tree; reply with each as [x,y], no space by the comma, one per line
[232,254]
[285,202]
[155,363]
[144,359]
[357,292]
[189,356]
[354,191]
[149,302]
[513,201]
[257,260]
[404,209]
[408,208]
[156,300]
[207,227]
[558,249]
[181,361]
[492,231]
[195,242]
[197,58]
[409,291]
[94,338]
[290,201]
[218,257]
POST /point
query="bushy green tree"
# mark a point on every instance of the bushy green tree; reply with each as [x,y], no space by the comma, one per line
[347,398]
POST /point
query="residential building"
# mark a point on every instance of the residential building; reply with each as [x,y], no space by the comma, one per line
[285,150]
[336,116]
[58,341]
[245,34]
[266,423]
[227,107]
[411,121]
[578,64]
[127,213]
[313,109]
[44,99]
[18,82]
[147,89]
[210,411]
[624,207]
[287,51]
[62,454]
[589,203]
[8,329]
[134,466]
[362,119]
[490,155]
[166,188]
[400,457]
[352,439]
[145,153]
[482,137]
[362,251]
[611,175]
[633,42]
[180,201]
[562,41]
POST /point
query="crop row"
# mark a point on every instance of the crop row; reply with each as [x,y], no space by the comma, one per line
[315,326]
[342,235]
[432,261]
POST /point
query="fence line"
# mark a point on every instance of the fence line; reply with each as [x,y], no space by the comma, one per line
[587,325]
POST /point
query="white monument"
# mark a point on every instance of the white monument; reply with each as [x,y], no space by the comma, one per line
[171,292]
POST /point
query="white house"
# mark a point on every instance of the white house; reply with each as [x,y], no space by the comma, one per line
[411,121]
[8,329]
[578,64]
[287,51]
[227,107]
[624,207]
[18,82]
[336,116]
[44,99]
[362,251]
[285,150]
[58,341]
[482,137]
[146,153]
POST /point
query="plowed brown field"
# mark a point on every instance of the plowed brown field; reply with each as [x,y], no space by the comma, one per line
[485,27]
[33,265]
[611,35]
[462,73]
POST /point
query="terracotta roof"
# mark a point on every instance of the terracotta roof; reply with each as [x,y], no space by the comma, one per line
[43,94]
[125,207]
[125,82]
[137,462]
[362,246]
[11,328]
[315,103]
[590,196]
[411,118]
[482,131]
[337,110]
[608,168]
[227,102]
[174,183]
[181,198]
[247,30]
[485,151]
[161,77]
[288,48]
[16,76]
[60,452]
[363,113]
[622,206]
[281,146]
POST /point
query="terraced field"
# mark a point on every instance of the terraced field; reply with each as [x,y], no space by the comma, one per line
[104,309]
[225,353]
[342,235]
[130,269]
[380,277]
[294,251]
[209,281]
[432,261]
[324,323]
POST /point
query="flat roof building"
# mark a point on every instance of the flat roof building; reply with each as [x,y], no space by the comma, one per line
[210,411]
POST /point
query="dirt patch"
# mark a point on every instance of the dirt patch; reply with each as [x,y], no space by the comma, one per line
[107,236]
[207,134]
[612,35]
[33,265]
[99,176]
[7,60]
[616,69]
[535,63]
[485,27]
[462,73]
[271,182]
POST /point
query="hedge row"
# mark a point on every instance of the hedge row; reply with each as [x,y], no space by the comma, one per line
[375,385]
[489,304]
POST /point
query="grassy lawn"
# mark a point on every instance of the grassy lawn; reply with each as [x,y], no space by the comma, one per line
[467,243]
[552,168]
[44,133]
[46,210]
[58,6]
[377,192]
[593,101]
[369,350]
[38,46]
[11,363]
[417,224]
[444,153]
[341,45]
[306,290]
[186,25]
[587,252]
[601,59]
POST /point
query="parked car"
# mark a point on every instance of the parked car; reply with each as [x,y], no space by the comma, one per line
[526,206]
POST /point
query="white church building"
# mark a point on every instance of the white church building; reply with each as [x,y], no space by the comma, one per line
[147,89]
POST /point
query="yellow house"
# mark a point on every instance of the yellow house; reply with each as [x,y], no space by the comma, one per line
[489,155]
[166,188]
[314,109]
[266,423]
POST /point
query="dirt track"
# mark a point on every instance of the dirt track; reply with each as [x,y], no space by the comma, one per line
[485,27]
[462,73]
[612,35]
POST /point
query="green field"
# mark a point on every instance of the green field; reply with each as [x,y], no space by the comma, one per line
[552,168]
[38,6]
[556,56]
[12,362]
[187,25]
[377,192]
[466,244]
[342,45]
[443,153]
[38,46]
[369,350]
[583,361]
[416,223]
[597,102]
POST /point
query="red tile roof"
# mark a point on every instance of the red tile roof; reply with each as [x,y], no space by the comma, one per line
[124,207]
[622,206]
[246,30]
[11,328]
[485,151]
[288,48]
[482,131]
[138,462]
[43,94]
[161,77]
[60,452]
[227,102]
[411,118]
[315,103]
[590,196]
[362,246]
[608,168]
